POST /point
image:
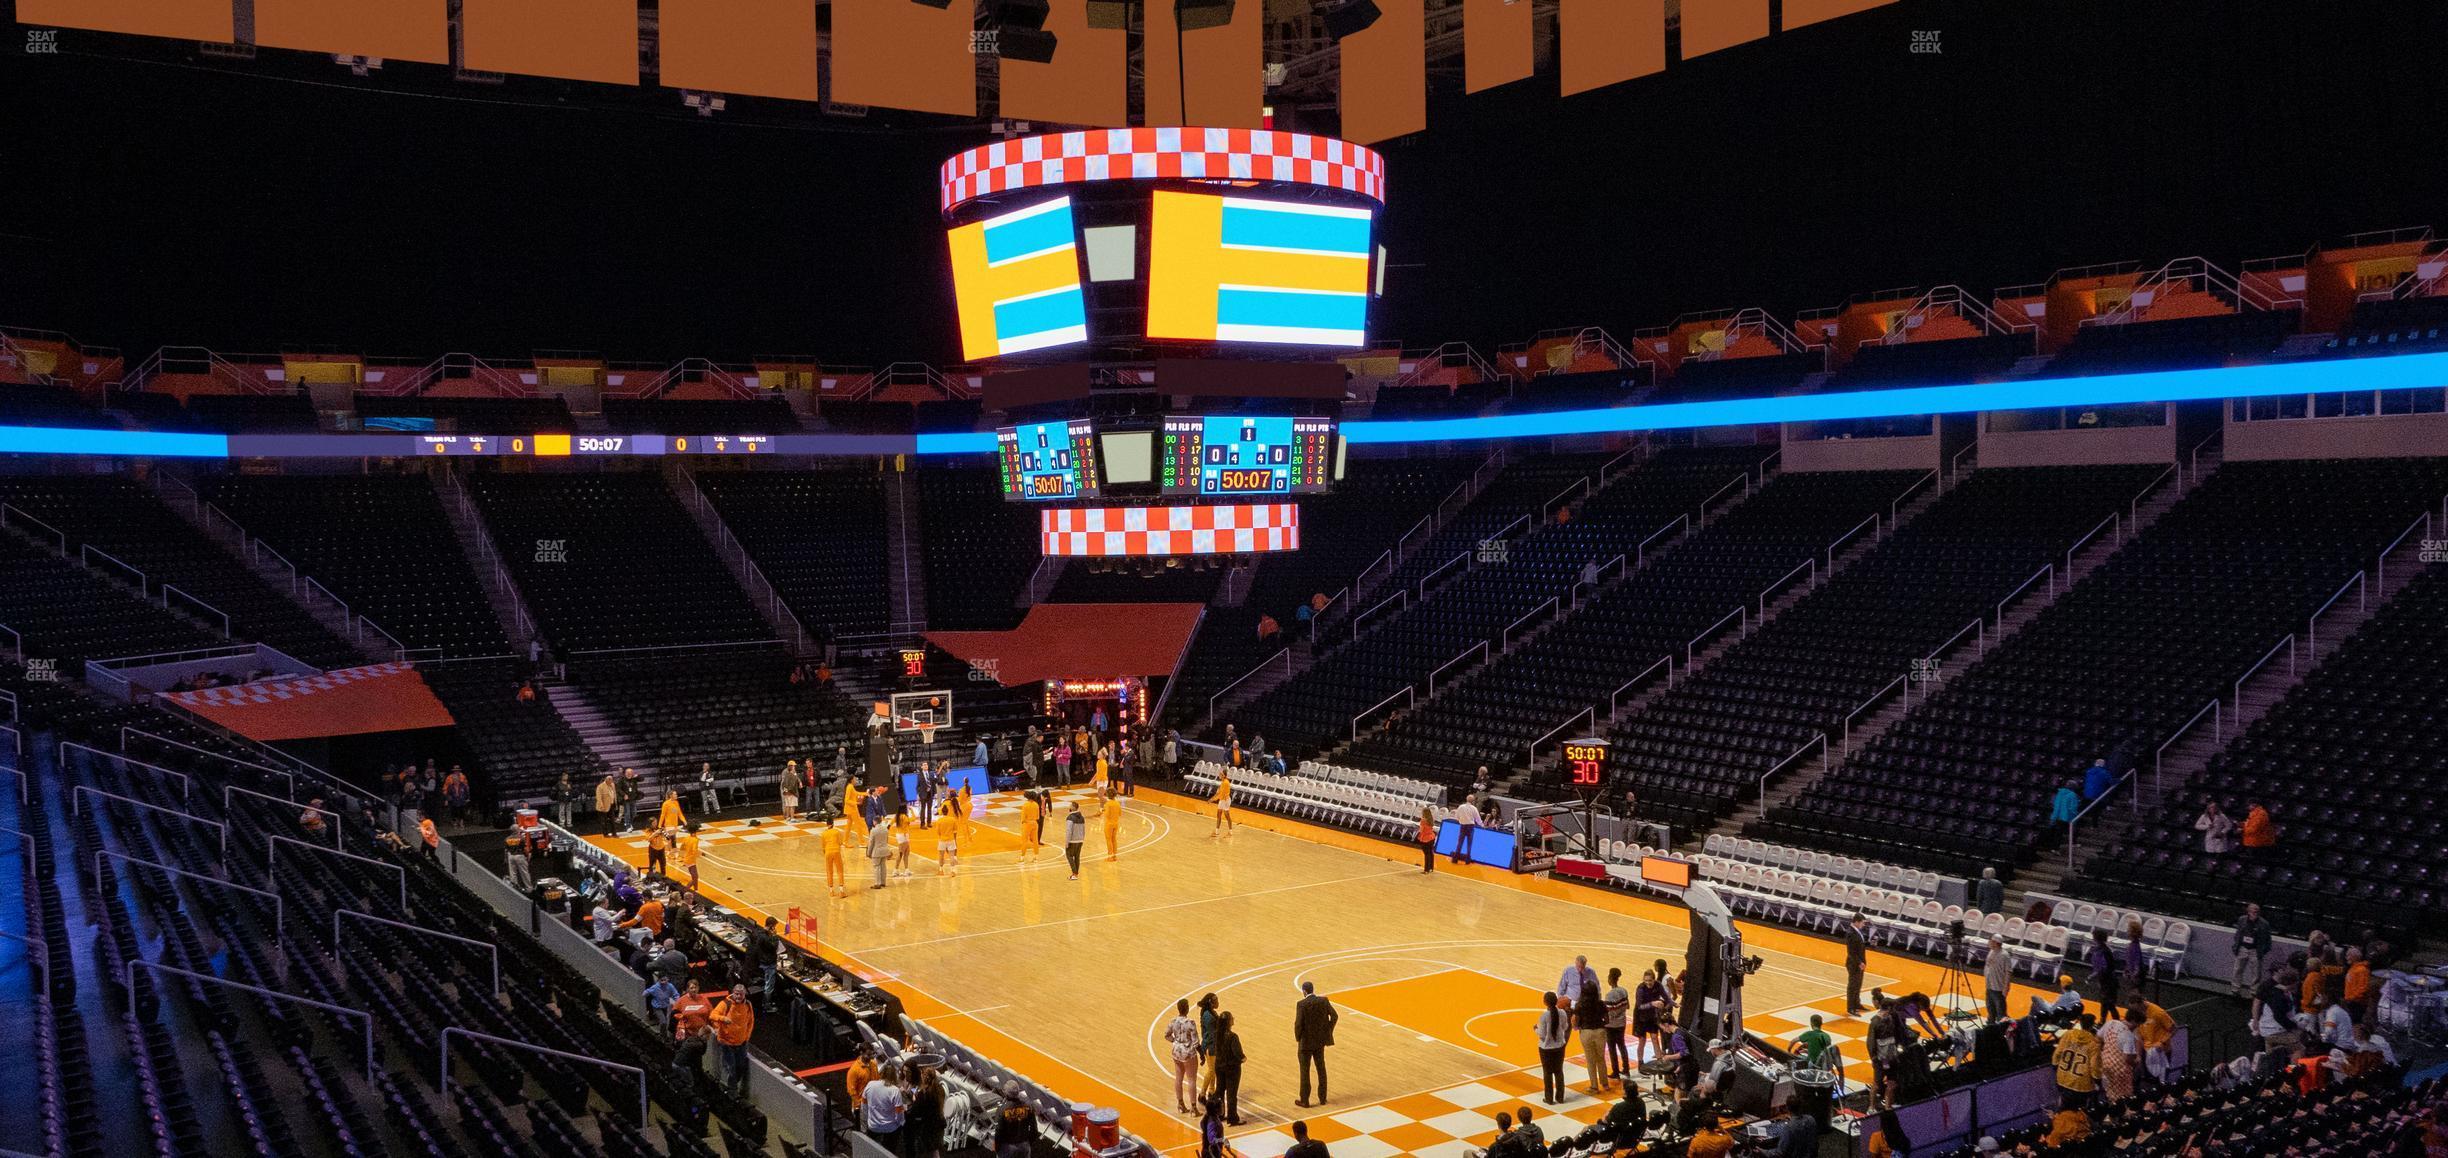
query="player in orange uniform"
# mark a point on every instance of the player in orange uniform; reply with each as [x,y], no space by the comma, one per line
[836,882]
[1113,824]
[1032,826]
[947,840]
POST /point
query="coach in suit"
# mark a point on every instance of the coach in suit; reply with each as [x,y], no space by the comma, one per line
[1313,1022]
[1857,954]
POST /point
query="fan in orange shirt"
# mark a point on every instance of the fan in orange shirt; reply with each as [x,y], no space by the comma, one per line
[837,881]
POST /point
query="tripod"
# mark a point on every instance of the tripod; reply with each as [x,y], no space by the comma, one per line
[1955,993]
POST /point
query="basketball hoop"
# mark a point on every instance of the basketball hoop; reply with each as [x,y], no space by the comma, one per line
[926,735]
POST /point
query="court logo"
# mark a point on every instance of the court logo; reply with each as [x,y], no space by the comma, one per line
[1925,42]
[42,42]
[552,551]
[2434,550]
[42,671]
[1495,550]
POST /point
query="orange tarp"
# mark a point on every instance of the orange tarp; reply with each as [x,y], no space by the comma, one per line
[386,697]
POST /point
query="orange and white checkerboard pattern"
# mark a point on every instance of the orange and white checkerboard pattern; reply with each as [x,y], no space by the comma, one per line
[1442,1123]
[1212,530]
[1139,154]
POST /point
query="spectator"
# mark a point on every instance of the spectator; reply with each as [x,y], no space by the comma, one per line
[1075,838]
[1015,1128]
[1618,1004]
[1466,822]
[1989,893]
[1303,1146]
[2097,779]
[2358,985]
[688,1061]
[1589,1015]
[1857,956]
[1182,1034]
[521,869]
[734,1021]
[2120,1042]
[455,794]
[1211,1129]
[564,795]
[1267,627]
[2252,946]
[2078,1060]
[1533,1140]
[1228,1060]
[310,820]
[2260,832]
[863,1069]
[607,803]
[692,1011]
[886,1107]
[659,998]
[2069,1126]
[2103,964]
[432,840]
[1554,1030]
[709,798]
[2217,829]
[1500,1148]
[2066,806]
[631,790]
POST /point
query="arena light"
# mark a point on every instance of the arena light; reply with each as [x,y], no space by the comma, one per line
[1020,32]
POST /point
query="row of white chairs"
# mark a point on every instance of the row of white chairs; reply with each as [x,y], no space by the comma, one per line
[1844,869]
[1406,786]
[2165,941]
[1291,794]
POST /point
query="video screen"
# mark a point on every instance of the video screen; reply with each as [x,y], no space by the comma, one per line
[1239,454]
[1129,456]
[1240,269]
[1049,461]
[1207,529]
[1016,281]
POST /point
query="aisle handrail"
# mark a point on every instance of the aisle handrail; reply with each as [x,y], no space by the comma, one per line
[1615,698]
[2289,644]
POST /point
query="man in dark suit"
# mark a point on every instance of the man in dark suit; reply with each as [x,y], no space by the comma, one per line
[1313,1022]
[1857,954]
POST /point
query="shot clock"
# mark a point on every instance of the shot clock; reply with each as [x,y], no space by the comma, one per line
[1585,765]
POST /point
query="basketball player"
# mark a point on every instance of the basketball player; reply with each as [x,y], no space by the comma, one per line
[947,841]
[1032,826]
[1223,803]
[901,842]
[836,882]
[1113,824]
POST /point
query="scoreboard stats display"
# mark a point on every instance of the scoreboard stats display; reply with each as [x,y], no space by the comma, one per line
[1585,764]
[1223,455]
[1049,461]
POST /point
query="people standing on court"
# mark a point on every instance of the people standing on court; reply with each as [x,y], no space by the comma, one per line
[1313,1025]
[1075,836]
[1182,1034]
[1618,1008]
[1223,804]
[1997,975]
[837,882]
[709,800]
[1113,823]
[1228,1061]
[879,850]
[1554,1031]
[607,803]
[1466,822]
[632,789]
[1648,1000]
[1589,1020]
[1427,838]
[788,782]
[1857,957]
[2252,946]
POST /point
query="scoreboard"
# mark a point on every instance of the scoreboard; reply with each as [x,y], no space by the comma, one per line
[1049,461]
[1585,765]
[1225,454]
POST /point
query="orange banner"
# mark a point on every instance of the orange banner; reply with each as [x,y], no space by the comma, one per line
[1087,83]
[176,19]
[1495,43]
[756,47]
[417,30]
[905,55]
[1225,87]
[574,39]
[1604,42]
[1709,25]
[386,697]
[1385,74]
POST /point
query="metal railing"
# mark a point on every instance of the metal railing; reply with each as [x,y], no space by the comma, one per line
[1480,647]
[1530,754]
[76,806]
[1811,565]
[8,510]
[1640,553]
[1896,504]
[1384,559]
[1839,541]
[127,730]
[2047,571]
[2380,569]
[1743,481]
[2362,585]
[1615,698]
[2192,456]
[1284,654]
[491,950]
[645,1103]
[1563,498]
[2289,644]
[1955,467]
[2134,797]
[135,963]
[184,781]
[1320,615]
[707,645]
[1460,558]
[272,859]
[257,548]
[1505,640]
[1691,651]
[1875,699]
[2113,520]
[280,904]
[2133,506]
[1402,597]
[1819,741]
[2218,733]
[168,589]
[1408,695]
[85,558]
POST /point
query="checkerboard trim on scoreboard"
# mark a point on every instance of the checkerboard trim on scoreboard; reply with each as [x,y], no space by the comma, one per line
[1139,154]
[1245,528]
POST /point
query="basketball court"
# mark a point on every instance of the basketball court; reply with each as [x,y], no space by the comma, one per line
[1439,976]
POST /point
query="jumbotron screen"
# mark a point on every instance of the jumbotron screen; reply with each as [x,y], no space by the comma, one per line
[1049,461]
[1016,281]
[1226,454]
[1241,269]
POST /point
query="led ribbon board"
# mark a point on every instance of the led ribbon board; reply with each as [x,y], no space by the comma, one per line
[1239,269]
[1092,532]
[1016,281]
